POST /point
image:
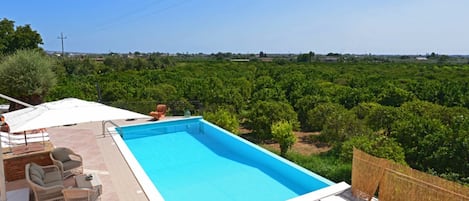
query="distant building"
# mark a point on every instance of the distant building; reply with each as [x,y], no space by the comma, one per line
[421,58]
[331,59]
[99,59]
[239,60]
[266,59]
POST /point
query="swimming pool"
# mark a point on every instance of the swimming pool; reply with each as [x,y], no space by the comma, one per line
[192,159]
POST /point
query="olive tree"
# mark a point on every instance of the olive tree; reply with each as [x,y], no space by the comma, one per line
[27,75]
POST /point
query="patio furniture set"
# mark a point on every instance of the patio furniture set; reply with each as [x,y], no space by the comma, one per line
[47,182]
[52,114]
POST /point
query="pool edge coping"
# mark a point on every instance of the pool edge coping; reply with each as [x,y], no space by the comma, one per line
[151,192]
[148,186]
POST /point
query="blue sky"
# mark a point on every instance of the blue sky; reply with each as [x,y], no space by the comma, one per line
[248,26]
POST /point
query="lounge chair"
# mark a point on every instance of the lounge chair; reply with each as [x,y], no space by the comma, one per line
[80,194]
[11,140]
[46,182]
[160,112]
[68,161]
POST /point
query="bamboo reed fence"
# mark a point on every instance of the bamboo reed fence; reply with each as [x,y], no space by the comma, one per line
[396,182]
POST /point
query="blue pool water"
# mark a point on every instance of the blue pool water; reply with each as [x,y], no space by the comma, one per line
[191,159]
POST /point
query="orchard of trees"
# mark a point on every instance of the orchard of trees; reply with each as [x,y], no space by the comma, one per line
[413,113]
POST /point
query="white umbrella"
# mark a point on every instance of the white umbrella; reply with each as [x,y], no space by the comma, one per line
[64,112]
[57,113]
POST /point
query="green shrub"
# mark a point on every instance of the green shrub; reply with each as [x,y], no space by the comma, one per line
[264,113]
[224,119]
[317,117]
[376,145]
[282,132]
[325,165]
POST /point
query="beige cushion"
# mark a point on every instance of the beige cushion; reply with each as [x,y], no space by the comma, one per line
[36,167]
[55,183]
[37,180]
[52,177]
[71,164]
[35,172]
[61,154]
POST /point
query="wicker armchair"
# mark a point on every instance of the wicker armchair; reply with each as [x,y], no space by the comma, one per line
[68,161]
[46,182]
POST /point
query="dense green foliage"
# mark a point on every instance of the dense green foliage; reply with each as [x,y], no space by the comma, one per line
[412,112]
[27,74]
[393,110]
[223,118]
[19,38]
[265,113]
[325,165]
[282,132]
[377,145]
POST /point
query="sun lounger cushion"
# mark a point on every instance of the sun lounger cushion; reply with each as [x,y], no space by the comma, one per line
[11,140]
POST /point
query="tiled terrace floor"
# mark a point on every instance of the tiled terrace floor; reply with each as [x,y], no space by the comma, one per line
[100,155]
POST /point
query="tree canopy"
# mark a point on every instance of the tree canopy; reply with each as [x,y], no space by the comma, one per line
[414,113]
[17,38]
[282,132]
[27,75]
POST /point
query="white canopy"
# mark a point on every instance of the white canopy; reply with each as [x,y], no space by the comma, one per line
[58,113]
[63,112]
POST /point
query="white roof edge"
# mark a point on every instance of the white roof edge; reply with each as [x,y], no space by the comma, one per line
[323,192]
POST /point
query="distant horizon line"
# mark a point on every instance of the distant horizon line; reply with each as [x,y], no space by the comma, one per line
[267,53]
